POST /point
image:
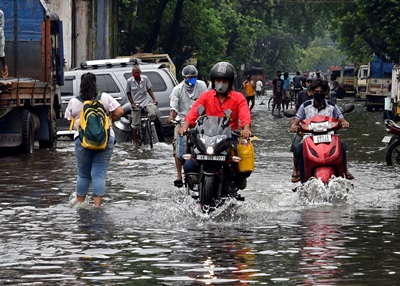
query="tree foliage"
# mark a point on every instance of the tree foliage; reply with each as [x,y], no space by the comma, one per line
[369,26]
[274,34]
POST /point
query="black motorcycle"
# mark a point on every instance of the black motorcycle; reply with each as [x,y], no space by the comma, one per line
[212,149]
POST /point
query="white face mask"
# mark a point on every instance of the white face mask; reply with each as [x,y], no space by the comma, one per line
[221,87]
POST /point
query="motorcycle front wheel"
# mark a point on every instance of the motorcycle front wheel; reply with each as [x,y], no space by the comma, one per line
[393,154]
[206,192]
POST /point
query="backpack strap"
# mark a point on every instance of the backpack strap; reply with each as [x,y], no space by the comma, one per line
[79,98]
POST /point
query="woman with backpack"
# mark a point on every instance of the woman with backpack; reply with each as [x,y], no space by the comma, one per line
[91,111]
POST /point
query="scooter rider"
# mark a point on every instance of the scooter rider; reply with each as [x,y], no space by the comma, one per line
[181,99]
[215,102]
[303,96]
[318,105]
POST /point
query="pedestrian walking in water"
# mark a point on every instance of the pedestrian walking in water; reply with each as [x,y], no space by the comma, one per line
[91,164]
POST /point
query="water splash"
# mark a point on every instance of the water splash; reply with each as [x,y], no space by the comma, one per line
[315,191]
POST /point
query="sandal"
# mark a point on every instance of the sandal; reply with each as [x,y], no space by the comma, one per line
[295,178]
[178,183]
[5,71]
[349,176]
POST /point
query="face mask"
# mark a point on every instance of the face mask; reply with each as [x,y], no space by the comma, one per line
[319,96]
[191,81]
[221,87]
[136,76]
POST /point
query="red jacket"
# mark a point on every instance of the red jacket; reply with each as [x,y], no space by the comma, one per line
[235,101]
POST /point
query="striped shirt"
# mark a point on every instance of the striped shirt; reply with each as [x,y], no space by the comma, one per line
[308,110]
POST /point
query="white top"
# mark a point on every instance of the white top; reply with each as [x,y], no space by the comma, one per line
[259,85]
[181,100]
[139,91]
[75,105]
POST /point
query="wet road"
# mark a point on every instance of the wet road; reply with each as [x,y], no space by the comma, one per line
[150,233]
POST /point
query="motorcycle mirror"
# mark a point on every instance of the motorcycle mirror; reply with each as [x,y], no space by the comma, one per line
[289,113]
[201,110]
[228,113]
[348,107]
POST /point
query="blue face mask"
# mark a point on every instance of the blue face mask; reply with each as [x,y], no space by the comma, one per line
[191,81]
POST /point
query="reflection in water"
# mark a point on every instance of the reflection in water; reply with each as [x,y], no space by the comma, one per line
[323,247]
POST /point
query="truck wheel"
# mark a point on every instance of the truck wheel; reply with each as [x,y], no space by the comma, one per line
[28,139]
[52,134]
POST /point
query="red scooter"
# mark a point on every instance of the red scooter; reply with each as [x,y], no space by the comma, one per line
[322,148]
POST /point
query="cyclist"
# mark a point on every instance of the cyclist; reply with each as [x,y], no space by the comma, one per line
[138,87]
[181,99]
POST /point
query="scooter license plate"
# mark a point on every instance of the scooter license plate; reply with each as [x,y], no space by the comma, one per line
[386,139]
[210,158]
[325,138]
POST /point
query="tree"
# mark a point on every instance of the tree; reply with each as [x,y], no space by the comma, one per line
[369,26]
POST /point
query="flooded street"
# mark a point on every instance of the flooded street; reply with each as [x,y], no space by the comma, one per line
[150,233]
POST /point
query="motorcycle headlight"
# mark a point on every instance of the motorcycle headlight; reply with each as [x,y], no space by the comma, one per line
[210,150]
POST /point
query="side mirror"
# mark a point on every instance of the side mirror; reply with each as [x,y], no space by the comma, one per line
[228,113]
[289,113]
[348,107]
[201,110]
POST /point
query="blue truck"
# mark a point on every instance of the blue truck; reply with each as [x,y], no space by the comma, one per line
[378,81]
[30,95]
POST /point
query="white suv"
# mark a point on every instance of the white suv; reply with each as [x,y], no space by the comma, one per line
[111,77]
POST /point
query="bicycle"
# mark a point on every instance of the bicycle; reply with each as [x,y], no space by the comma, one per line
[271,102]
[145,134]
[294,91]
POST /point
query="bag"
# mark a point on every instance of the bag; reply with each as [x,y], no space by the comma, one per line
[246,153]
[94,125]
[341,93]
[181,148]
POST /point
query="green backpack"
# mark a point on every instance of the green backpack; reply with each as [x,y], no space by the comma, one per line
[94,124]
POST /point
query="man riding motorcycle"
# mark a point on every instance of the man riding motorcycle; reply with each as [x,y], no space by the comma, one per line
[318,105]
[215,102]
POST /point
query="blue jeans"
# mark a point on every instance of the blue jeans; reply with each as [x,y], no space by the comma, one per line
[92,167]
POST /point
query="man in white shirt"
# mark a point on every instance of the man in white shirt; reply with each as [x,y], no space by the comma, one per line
[259,87]
[181,100]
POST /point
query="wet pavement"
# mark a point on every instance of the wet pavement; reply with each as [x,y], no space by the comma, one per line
[150,233]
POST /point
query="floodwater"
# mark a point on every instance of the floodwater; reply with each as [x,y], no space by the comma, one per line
[150,233]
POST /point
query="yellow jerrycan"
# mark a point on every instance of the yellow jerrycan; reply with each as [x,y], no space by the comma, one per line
[246,153]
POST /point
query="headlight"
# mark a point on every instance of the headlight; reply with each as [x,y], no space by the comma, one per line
[210,150]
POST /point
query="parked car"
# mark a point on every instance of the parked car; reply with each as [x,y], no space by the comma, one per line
[111,77]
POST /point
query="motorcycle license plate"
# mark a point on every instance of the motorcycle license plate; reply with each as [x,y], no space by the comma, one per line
[325,138]
[210,158]
[386,139]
